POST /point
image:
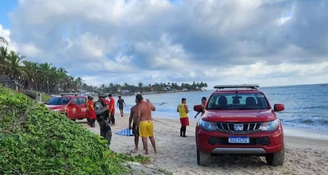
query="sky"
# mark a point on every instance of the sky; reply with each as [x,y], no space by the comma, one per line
[267,42]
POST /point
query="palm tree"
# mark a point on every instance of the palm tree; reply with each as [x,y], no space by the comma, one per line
[29,74]
[45,69]
[3,40]
[79,82]
[62,79]
[13,65]
[41,77]
[140,85]
[3,57]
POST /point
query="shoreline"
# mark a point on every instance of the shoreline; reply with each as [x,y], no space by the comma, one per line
[156,93]
[289,131]
[178,155]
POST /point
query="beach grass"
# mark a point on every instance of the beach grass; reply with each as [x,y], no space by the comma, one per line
[35,140]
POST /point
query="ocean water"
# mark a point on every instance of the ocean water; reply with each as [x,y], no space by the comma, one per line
[306,106]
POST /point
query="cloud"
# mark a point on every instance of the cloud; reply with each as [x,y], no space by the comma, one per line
[187,40]
[30,50]
[5,33]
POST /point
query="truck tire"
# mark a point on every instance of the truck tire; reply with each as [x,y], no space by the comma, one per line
[71,119]
[203,159]
[276,159]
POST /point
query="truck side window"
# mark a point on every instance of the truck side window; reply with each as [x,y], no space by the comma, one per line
[82,101]
[76,101]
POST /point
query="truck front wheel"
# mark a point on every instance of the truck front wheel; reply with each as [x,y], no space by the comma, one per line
[203,159]
[276,159]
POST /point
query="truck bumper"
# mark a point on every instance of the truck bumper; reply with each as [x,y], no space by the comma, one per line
[260,143]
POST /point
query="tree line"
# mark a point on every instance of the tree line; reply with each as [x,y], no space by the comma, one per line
[44,77]
[157,87]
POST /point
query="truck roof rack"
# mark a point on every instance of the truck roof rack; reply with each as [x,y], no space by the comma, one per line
[68,94]
[239,86]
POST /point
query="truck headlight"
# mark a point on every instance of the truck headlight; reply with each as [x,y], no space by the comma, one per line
[270,126]
[207,126]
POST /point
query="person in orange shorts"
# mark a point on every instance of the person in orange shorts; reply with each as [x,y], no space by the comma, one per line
[145,122]
[184,120]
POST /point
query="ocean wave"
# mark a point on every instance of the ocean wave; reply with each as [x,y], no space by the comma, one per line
[160,104]
[319,122]
[304,105]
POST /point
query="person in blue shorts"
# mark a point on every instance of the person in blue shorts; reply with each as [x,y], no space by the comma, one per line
[120,104]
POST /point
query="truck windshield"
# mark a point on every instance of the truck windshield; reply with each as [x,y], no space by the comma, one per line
[237,101]
[58,101]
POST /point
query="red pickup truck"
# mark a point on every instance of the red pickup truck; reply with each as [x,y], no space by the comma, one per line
[238,119]
[73,106]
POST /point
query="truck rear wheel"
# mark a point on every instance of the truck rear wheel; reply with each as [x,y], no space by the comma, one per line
[276,159]
[71,119]
[203,159]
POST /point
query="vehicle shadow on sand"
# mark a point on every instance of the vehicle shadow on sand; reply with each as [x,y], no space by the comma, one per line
[244,161]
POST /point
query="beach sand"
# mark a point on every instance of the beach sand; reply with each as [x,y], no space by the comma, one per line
[178,155]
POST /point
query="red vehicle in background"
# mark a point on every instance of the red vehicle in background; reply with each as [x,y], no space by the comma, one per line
[239,120]
[72,105]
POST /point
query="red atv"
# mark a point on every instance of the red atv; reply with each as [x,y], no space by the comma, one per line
[239,120]
[72,105]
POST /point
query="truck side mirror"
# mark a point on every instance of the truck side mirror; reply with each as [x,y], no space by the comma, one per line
[198,108]
[278,107]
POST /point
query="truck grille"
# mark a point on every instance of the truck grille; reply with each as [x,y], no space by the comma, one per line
[243,128]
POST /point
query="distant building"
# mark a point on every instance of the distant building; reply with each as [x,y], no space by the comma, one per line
[125,92]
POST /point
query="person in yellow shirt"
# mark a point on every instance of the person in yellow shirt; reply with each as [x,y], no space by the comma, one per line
[184,120]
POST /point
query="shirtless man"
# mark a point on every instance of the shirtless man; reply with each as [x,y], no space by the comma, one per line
[203,107]
[135,130]
[145,122]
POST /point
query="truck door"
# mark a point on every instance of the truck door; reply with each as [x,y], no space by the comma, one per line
[83,108]
[73,109]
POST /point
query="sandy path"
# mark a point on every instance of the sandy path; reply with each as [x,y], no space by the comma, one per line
[178,154]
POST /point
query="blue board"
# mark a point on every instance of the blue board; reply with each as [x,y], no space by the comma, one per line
[124,132]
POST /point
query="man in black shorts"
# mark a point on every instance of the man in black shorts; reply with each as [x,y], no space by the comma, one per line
[135,130]
[120,103]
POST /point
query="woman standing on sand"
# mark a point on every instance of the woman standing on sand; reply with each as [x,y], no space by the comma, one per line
[184,120]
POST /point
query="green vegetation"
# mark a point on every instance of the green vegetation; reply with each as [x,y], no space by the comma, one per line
[42,77]
[34,140]
[44,97]
[157,87]
[3,40]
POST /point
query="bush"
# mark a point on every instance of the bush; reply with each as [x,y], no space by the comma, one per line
[44,97]
[34,140]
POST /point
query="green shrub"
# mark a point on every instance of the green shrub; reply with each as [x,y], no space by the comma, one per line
[34,140]
[44,97]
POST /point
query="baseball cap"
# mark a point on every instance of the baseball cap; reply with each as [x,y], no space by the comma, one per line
[102,95]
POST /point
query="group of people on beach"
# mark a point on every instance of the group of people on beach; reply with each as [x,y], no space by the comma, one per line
[103,110]
[140,120]
[183,111]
